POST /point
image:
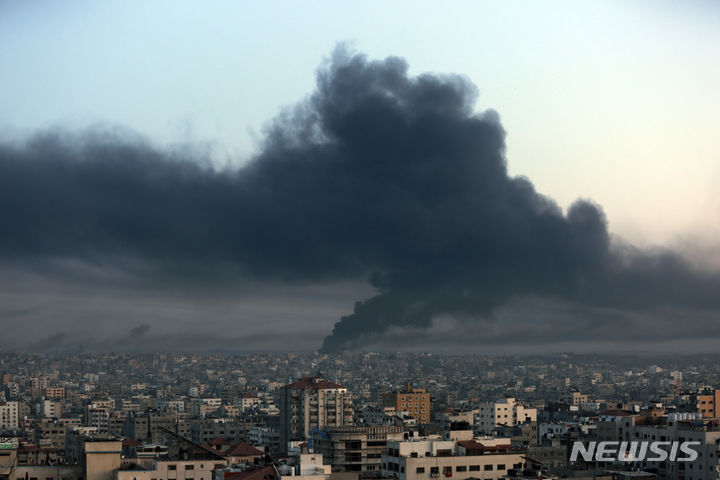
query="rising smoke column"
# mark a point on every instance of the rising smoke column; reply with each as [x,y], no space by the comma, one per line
[377,174]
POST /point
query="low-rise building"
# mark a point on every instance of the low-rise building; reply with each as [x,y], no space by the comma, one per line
[430,458]
[506,412]
[354,449]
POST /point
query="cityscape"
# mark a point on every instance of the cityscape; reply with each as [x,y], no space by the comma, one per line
[348,416]
[359,240]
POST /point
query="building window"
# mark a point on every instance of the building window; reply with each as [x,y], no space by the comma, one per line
[487,467]
[461,468]
[420,470]
[474,468]
[501,466]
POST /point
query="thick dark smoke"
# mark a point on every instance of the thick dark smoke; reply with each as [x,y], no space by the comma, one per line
[378,174]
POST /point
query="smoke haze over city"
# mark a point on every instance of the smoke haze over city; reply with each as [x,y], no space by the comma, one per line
[379,210]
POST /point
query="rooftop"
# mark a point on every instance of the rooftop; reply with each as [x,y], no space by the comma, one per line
[313,383]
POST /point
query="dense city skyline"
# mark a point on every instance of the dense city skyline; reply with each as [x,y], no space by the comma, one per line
[334,240]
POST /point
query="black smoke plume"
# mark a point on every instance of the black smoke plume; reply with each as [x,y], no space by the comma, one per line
[377,174]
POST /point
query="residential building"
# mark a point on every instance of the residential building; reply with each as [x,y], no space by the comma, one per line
[354,449]
[313,402]
[413,400]
[709,404]
[506,412]
[9,418]
[55,392]
[429,458]
[52,409]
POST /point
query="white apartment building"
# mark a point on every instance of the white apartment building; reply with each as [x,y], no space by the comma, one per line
[428,458]
[670,428]
[309,466]
[246,401]
[204,406]
[505,412]
[9,417]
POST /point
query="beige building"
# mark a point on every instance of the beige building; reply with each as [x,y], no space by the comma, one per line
[246,401]
[102,458]
[312,402]
[430,458]
[354,449]
[309,466]
[9,416]
[505,412]
[202,407]
[52,409]
[170,470]
[97,459]
[576,398]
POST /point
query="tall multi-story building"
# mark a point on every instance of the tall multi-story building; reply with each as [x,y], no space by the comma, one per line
[97,415]
[313,402]
[413,400]
[9,418]
[506,412]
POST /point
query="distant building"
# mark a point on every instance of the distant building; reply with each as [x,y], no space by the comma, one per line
[412,400]
[55,392]
[246,401]
[709,404]
[354,449]
[52,409]
[266,437]
[576,398]
[9,415]
[430,458]
[231,431]
[502,413]
[312,402]
[97,415]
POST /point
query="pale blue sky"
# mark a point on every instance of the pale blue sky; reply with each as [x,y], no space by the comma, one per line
[617,101]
